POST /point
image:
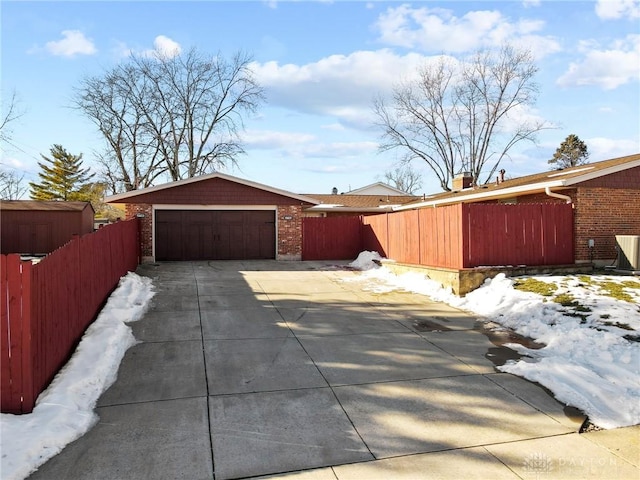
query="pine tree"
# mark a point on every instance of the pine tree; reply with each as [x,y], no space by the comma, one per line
[571,153]
[62,177]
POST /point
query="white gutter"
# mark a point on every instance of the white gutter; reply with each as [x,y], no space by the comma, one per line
[566,198]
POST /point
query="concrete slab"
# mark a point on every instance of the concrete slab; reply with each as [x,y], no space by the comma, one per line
[367,358]
[319,284]
[622,442]
[223,286]
[314,474]
[315,321]
[158,371]
[230,301]
[470,347]
[420,416]
[263,433]
[161,326]
[262,322]
[168,439]
[468,464]
[541,399]
[258,365]
[173,303]
[565,456]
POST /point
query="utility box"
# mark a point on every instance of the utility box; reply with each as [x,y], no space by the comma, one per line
[628,252]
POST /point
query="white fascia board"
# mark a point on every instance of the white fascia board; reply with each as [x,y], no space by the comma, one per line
[476,195]
[159,206]
[603,172]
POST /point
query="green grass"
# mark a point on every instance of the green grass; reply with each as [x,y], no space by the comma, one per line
[534,286]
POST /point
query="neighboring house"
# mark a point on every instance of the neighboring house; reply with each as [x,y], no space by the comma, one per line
[217,217]
[369,200]
[605,196]
[39,227]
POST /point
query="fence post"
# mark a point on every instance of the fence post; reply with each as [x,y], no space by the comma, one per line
[28,392]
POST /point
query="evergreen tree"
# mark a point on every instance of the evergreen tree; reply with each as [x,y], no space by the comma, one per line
[571,153]
[62,177]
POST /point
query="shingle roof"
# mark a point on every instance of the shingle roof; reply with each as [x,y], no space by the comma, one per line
[36,205]
[531,183]
[360,201]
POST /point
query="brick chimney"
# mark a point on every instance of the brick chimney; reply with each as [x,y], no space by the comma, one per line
[461,181]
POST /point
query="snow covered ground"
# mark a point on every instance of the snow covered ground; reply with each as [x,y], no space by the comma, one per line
[587,362]
[65,410]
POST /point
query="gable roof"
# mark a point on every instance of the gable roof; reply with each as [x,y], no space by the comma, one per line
[378,188]
[43,206]
[529,184]
[357,203]
[123,197]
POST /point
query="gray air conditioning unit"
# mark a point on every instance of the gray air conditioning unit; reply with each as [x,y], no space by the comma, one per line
[628,252]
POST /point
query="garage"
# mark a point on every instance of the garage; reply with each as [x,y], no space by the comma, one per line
[216,217]
[183,235]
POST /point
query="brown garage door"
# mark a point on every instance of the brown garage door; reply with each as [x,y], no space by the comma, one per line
[215,234]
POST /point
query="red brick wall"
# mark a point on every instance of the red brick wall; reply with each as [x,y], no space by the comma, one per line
[601,214]
[289,234]
[146,227]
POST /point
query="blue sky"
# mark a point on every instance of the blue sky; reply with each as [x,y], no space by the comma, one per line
[321,64]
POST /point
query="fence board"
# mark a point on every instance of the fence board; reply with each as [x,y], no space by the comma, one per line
[331,238]
[47,307]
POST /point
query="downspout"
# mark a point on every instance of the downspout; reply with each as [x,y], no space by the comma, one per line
[566,198]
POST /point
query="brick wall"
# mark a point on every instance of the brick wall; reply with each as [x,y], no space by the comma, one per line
[146,229]
[289,232]
[601,214]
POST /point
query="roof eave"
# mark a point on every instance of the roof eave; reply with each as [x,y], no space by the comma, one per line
[122,197]
[479,196]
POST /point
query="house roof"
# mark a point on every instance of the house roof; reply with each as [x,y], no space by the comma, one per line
[42,206]
[536,183]
[378,188]
[123,197]
[358,203]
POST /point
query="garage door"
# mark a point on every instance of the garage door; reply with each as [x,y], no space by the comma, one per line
[215,234]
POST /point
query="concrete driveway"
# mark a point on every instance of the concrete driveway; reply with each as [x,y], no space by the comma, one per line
[249,369]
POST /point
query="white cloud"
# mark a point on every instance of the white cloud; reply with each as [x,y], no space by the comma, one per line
[531,3]
[73,43]
[163,47]
[342,86]
[439,30]
[304,145]
[615,9]
[602,148]
[166,47]
[607,68]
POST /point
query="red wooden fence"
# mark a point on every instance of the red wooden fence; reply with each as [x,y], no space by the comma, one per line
[330,238]
[457,236]
[46,307]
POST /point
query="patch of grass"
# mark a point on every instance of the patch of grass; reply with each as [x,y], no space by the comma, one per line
[605,316]
[616,290]
[587,280]
[535,286]
[624,326]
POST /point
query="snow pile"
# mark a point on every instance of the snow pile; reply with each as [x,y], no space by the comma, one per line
[366,261]
[587,362]
[64,411]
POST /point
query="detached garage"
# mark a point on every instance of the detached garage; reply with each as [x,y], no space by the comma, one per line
[217,217]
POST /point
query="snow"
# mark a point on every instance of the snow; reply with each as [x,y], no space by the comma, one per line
[586,361]
[65,410]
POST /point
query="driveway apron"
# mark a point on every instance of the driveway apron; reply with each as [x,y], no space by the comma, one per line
[265,368]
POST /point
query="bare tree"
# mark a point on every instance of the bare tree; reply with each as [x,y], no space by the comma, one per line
[11,185]
[462,115]
[169,115]
[10,113]
[404,178]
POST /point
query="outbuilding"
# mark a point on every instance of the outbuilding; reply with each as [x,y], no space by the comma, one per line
[33,227]
[216,217]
